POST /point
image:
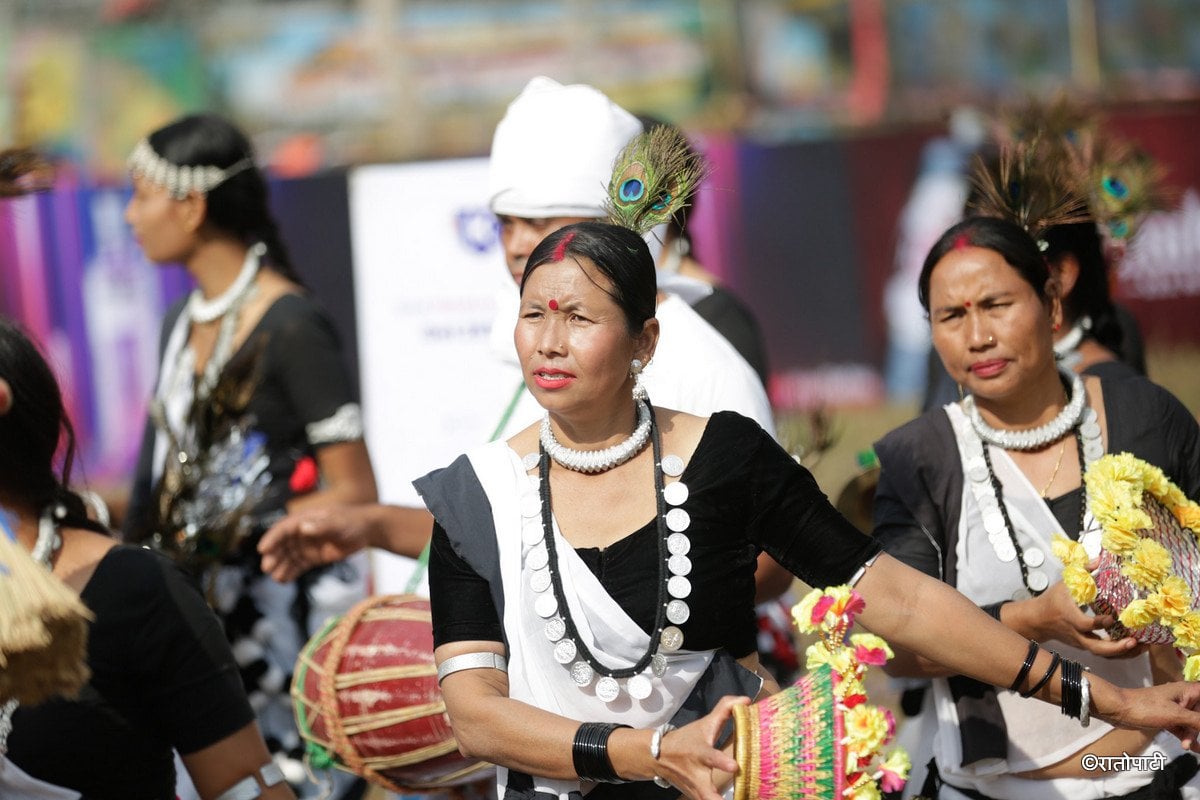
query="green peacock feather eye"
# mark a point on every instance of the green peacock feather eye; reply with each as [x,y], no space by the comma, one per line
[1115,187]
[653,178]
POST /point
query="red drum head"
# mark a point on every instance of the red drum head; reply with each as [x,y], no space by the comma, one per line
[367,701]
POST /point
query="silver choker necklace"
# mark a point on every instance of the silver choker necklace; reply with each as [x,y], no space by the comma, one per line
[1066,349]
[201,310]
[1032,438]
[593,461]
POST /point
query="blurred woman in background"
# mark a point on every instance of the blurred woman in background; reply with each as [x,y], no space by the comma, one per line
[248,354]
[973,492]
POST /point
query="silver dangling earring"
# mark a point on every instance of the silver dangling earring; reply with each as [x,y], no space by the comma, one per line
[635,372]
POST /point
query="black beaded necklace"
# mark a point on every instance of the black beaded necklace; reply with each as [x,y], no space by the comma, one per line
[1008,526]
[556,579]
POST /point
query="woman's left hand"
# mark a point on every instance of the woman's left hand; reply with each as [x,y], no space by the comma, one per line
[1055,615]
[690,760]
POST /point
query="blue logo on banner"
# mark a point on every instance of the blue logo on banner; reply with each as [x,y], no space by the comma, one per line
[477,228]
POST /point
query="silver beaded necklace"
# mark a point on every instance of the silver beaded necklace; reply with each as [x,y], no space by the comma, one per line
[595,461]
[1032,438]
[672,522]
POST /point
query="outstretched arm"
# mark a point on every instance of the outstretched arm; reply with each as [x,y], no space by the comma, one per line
[925,616]
[307,539]
[1050,615]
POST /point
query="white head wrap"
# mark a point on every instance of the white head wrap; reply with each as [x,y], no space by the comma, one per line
[553,152]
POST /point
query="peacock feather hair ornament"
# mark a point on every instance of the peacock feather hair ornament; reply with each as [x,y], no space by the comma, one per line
[1123,183]
[1030,186]
[654,177]
[1060,121]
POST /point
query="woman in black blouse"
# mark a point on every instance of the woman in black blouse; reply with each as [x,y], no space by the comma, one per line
[972,493]
[162,675]
[580,573]
[200,200]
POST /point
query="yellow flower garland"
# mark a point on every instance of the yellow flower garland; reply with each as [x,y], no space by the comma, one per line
[1116,487]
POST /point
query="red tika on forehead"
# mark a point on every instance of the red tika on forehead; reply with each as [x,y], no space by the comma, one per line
[961,241]
[561,249]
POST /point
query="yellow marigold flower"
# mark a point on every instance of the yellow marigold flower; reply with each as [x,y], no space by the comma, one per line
[870,649]
[1130,519]
[893,772]
[866,730]
[1119,541]
[1191,668]
[1172,600]
[865,790]
[1154,480]
[1187,630]
[1080,584]
[841,660]
[1148,564]
[1124,467]
[1188,514]
[1138,614]
[1068,552]
[834,605]
[1104,495]
[802,612]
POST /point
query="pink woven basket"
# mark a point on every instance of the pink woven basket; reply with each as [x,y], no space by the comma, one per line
[1114,591]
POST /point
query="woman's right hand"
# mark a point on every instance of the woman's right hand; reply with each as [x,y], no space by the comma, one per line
[690,760]
[308,539]
[1054,615]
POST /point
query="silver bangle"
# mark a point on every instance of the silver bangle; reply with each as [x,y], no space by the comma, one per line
[481,660]
[656,750]
[248,788]
[1085,702]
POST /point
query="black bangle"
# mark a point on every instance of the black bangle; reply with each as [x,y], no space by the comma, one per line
[1072,688]
[589,752]
[1030,655]
[1054,661]
[993,609]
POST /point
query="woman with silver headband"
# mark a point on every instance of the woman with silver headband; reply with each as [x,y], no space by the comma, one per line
[254,413]
[160,675]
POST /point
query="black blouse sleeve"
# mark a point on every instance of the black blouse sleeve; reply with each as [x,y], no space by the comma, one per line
[919,494]
[1150,422]
[305,355]
[789,516]
[460,600]
[156,622]
[899,532]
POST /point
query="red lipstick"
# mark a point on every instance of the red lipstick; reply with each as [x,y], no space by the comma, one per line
[551,378]
[990,368]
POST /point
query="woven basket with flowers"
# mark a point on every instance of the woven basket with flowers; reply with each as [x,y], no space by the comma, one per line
[820,739]
[1148,571]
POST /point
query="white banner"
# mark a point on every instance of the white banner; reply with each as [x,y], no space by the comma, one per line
[1163,261]
[427,267]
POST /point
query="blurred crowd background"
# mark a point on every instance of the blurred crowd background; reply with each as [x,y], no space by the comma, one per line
[820,118]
